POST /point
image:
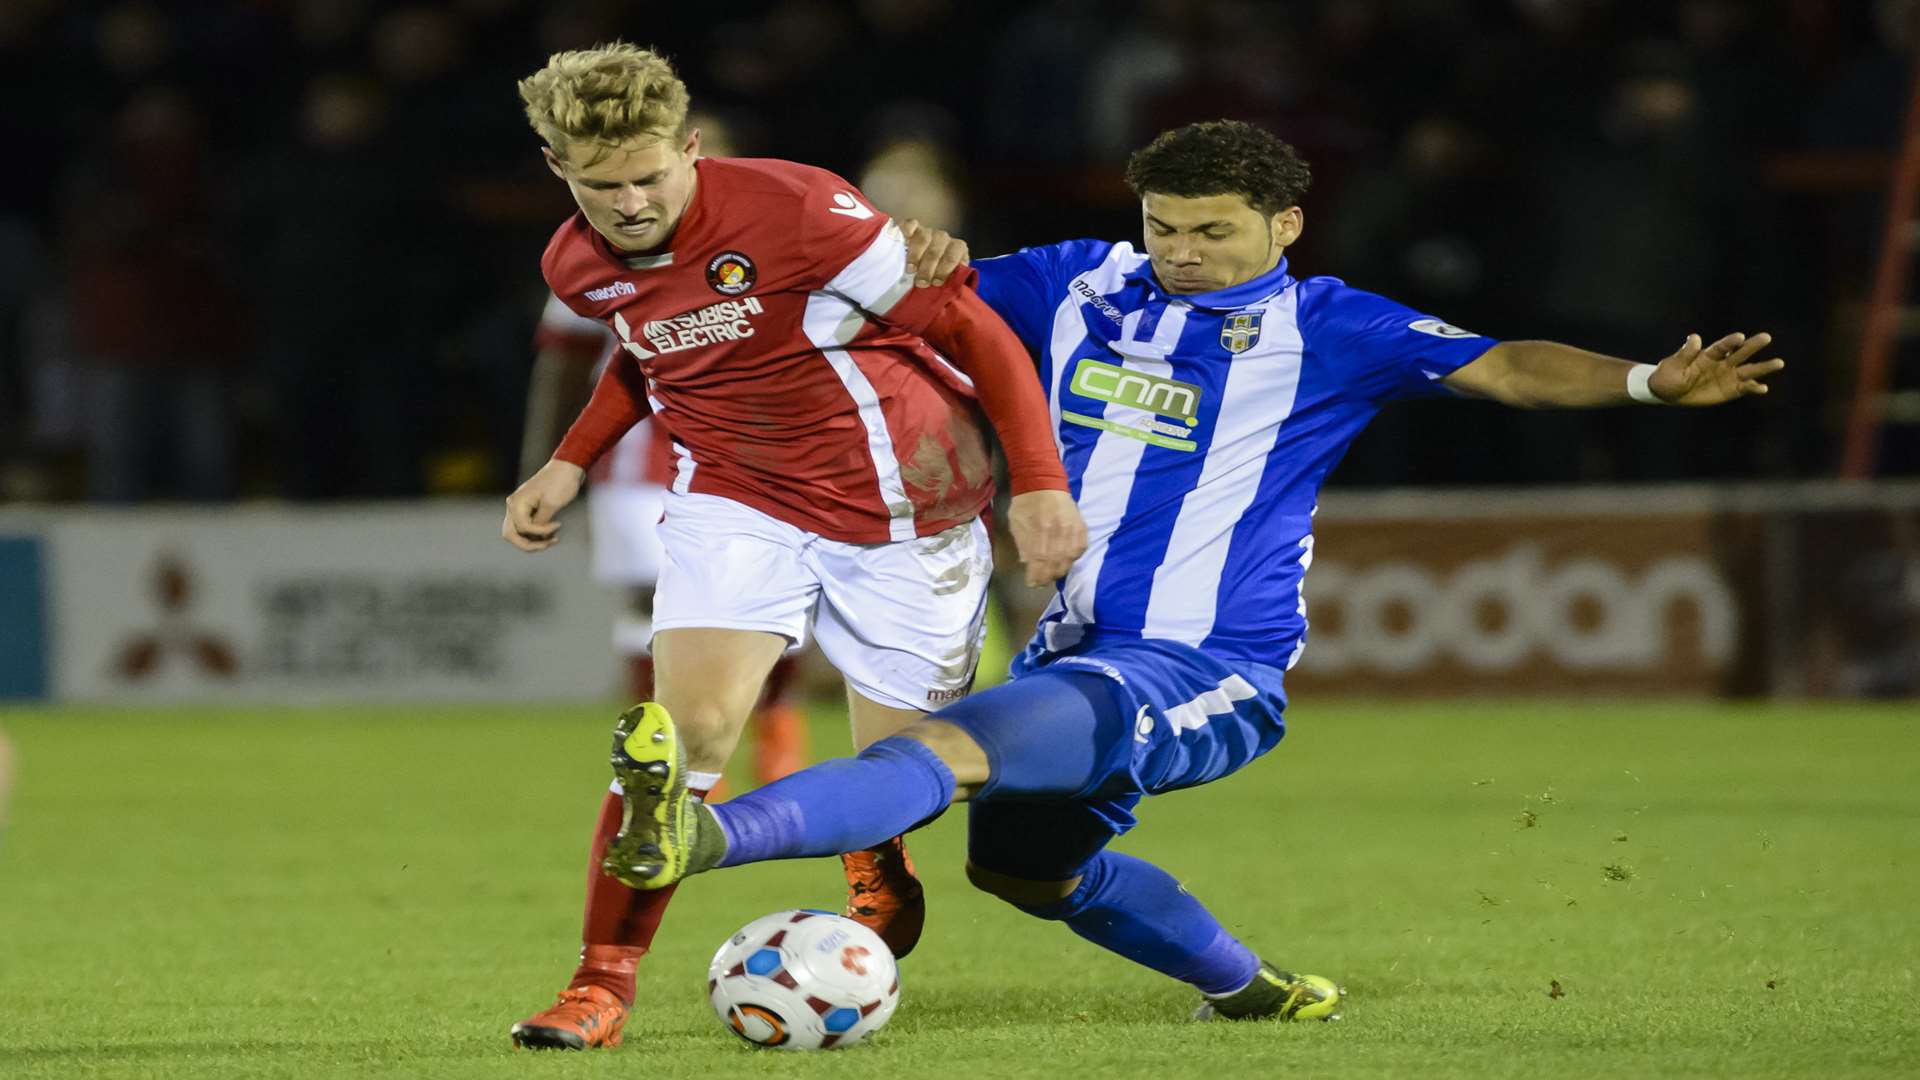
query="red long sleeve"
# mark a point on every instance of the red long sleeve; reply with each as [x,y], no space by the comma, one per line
[619,402]
[973,337]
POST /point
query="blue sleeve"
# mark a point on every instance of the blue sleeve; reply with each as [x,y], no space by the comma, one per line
[1026,287]
[1380,349]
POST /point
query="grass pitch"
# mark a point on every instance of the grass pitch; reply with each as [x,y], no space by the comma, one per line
[1507,890]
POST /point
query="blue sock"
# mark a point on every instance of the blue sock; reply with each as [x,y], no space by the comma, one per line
[1138,910]
[841,805]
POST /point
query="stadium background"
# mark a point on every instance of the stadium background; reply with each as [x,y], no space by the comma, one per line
[315,223]
[267,287]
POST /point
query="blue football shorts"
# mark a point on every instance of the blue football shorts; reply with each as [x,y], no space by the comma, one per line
[1077,738]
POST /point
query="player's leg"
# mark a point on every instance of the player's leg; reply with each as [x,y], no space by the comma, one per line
[734,596]
[903,623]
[883,888]
[618,924]
[1136,715]
[870,720]
[751,583]
[1049,859]
[1052,738]
[708,679]
[627,552]
[711,677]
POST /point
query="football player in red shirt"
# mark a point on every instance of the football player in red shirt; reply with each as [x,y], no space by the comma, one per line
[830,458]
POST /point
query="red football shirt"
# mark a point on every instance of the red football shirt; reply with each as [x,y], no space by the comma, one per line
[779,342]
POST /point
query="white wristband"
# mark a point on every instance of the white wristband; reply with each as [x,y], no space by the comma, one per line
[1637,379]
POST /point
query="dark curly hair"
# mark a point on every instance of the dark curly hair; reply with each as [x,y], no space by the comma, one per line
[1221,157]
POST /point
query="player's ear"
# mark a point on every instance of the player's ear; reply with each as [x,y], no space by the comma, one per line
[553,162]
[1287,225]
[692,147]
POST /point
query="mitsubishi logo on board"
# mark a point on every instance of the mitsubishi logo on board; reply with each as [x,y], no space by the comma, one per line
[173,636]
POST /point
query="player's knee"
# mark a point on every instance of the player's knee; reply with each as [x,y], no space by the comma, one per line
[1036,897]
[956,747]
[707,726]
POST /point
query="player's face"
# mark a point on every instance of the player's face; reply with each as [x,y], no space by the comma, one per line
[633,196]
[1213,242]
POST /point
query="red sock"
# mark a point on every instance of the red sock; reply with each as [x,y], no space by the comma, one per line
[620,922]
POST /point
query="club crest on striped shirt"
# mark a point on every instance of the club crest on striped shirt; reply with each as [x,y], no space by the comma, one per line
[1240,331]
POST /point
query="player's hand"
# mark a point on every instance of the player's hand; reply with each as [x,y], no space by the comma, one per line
[529,525]
[1048,532]
[1714,374]
[932,254]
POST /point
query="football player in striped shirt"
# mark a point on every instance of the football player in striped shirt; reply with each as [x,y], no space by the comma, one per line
[1200,394]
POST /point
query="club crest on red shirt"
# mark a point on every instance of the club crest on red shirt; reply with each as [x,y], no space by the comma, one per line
[730,273]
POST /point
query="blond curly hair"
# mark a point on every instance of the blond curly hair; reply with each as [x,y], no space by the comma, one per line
[608,95]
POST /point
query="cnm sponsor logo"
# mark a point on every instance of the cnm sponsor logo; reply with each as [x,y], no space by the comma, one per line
[1107,382]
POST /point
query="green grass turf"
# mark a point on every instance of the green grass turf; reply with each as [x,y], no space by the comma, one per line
[1717,891]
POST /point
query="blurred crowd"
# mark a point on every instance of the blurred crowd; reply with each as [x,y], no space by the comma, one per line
[289,247]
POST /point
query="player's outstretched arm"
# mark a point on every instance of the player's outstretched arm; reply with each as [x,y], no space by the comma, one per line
[1714,374]
[1545,374]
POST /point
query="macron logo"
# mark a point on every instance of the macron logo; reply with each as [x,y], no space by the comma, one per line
[1439,329]
[618,288]
[846,205]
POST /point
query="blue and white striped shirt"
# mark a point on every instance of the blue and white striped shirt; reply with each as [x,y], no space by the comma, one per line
[1197,430]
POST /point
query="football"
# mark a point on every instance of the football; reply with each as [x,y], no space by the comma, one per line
[803,980]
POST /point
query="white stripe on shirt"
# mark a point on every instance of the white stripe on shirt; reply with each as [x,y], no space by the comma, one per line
[1258,394]
[1106,484]
[830,322]
[878,277]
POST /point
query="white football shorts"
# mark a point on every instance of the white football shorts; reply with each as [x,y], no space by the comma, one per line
[902,621]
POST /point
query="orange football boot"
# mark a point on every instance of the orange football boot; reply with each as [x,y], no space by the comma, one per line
[583,1017]
[884,896]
